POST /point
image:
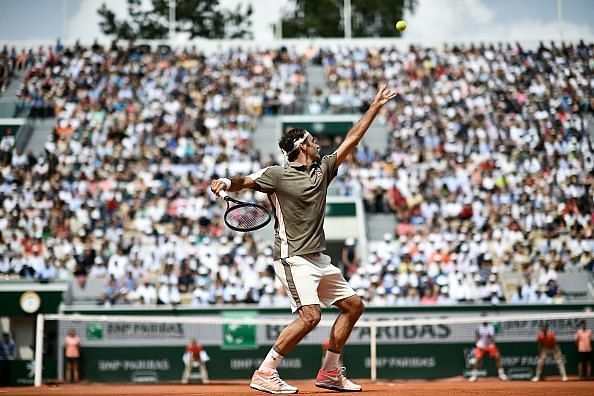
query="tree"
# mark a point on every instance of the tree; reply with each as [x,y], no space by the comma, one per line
[198,18]
[323,18]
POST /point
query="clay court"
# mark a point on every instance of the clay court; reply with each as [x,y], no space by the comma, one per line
[454,386]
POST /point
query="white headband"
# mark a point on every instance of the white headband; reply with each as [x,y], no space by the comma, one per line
[295,145]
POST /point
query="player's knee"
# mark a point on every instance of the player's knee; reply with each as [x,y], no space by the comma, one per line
[355,307]
[311,318]
[359,307]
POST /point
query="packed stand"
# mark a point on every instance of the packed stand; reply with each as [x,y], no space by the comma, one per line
[488,156]
[121,195]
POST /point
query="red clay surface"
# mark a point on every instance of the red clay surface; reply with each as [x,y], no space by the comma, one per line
[454,386]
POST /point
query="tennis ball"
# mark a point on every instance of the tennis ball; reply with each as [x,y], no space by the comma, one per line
[401,26]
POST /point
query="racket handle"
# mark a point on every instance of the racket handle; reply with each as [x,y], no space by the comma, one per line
[223,194]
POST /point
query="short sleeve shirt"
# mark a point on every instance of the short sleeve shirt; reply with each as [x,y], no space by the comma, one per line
[485,335]
[548,340]
[194,349]
[583,338]
[298,197]
[72,347]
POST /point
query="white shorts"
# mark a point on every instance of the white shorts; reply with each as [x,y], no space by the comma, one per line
[311,279]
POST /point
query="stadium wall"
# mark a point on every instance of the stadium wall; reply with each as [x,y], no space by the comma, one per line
[152,352]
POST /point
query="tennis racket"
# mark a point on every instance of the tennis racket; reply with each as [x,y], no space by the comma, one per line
[244,216]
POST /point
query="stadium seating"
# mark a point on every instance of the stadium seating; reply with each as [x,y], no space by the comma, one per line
[486,172]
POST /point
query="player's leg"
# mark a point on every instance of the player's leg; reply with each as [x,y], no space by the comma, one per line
[559,359]
[300,278]
[266,378]
[539,364]
[290,336]
[335,290]
[351,310]
[494,353]
[478,354]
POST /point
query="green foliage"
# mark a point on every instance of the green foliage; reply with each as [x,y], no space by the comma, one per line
[323,18]
[198,18]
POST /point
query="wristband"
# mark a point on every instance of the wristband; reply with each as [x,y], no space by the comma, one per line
[226,181]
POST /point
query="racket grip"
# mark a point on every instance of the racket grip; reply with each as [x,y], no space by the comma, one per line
[223,194]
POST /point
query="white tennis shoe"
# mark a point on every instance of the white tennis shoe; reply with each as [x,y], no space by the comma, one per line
[335,380]
[271,382]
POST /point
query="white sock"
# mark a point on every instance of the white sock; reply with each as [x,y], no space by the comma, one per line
[331,361]
[474,373]
[271,361]
[501,372]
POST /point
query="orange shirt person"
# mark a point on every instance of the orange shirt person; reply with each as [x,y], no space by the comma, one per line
[194,354]
[547,345]
[194,348]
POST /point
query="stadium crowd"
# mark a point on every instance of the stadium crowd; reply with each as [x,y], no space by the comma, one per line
[488,170]
[489,166]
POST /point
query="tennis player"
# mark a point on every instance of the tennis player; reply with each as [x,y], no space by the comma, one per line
[297,192]
[484,337]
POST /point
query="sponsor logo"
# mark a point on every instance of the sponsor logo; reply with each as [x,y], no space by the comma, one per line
[133,365]
[145,377]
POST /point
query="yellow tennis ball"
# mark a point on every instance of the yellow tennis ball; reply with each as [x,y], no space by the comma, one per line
[400,26]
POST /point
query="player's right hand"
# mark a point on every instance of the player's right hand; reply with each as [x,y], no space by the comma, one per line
[217,186]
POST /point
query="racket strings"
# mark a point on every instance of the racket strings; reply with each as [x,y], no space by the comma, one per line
[247,216]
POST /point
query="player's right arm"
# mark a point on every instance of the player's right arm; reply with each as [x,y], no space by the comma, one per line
[264,180]
[236,183]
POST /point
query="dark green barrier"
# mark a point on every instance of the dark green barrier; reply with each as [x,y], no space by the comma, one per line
[22,372]
[413,361]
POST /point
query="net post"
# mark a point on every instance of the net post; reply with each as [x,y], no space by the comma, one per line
[373,350]
[39,330]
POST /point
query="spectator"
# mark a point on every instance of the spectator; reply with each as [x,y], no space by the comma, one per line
[348,257]
[7,145]
[47,273]
[8,349]
[145,293]
[111,291]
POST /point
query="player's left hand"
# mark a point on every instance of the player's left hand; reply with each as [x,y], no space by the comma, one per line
[384,95]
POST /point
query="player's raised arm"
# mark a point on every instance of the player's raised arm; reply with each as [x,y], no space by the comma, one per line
[383,96]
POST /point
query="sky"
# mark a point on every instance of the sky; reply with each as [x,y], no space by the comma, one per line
[30,20]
